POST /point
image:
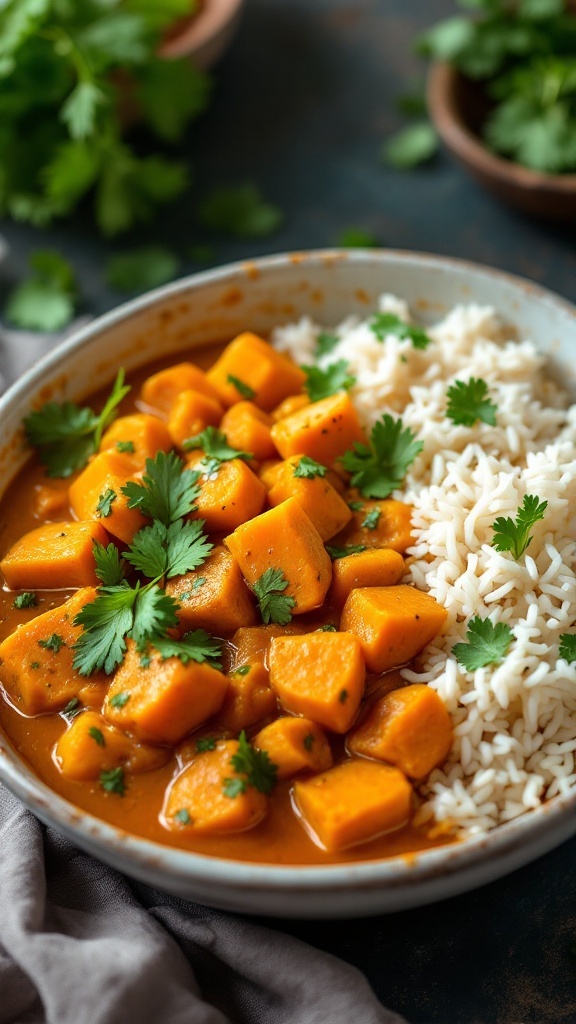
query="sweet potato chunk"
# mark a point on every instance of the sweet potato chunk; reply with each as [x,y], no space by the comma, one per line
[295,745]
[379,524]
[409,727]
[247,428]
[197,801]
[253,643]
[393,624]
[143,433]
[249,699]
[107,473]
[321,503]
[230,495]
[55,556]
[376,567]
[323,430]
[319,675]
[214,597]
[190,414]
[51,502]
[36,660]
[271,375]
[290,405]
[285,539]
[161,390]
[165,699]
[91,745]
[353,803]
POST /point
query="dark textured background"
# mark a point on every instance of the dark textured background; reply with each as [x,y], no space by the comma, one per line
[302,104]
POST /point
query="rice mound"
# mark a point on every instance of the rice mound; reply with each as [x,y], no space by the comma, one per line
[514,723]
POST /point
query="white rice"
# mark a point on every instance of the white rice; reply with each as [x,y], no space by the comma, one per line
[514,723]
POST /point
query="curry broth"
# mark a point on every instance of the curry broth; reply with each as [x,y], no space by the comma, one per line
[280,838]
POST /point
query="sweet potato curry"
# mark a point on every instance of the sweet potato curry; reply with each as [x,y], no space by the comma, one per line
[203,614]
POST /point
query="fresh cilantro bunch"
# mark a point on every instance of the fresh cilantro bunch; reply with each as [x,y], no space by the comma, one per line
[524,55]
[71,75]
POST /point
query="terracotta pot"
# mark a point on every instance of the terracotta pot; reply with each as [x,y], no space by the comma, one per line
[206,35]
[457,107]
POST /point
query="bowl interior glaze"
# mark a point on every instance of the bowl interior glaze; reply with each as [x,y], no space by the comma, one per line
[214,306]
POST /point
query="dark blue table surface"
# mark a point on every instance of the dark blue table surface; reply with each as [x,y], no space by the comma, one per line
[301,106]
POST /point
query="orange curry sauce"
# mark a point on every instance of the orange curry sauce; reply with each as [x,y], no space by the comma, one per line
[280,838]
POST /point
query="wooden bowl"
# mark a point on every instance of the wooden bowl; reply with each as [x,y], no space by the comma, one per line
[457,108]
[206,35]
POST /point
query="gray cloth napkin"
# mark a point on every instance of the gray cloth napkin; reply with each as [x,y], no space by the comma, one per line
[80,944]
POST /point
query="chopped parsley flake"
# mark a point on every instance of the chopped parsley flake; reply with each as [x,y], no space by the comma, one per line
[112,781]
[97,735]
[53,643]
[28,599]
[241,387]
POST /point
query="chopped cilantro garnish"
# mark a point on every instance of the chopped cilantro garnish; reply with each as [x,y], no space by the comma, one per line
[241,387]
[197,646]
[242,671]
[275,606]
[205,743]
[308,741]
[215,445]
[345,550]
[119,700]
[97,735]
[72,708]
[323,383]
[372,519]
[327,629]
[486,644]
[53,643]
[567,648]
[468,403]
[308,468]
[383,324]
[234,787]
[255,765]
[379,468]
[66,435]
[514,536]
[125,447]
[34,664]
[183,817]
[27,599]
[326,343]
[356,506]
[105,502]
[113,781]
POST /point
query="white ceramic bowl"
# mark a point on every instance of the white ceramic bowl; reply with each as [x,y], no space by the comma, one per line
[215,306]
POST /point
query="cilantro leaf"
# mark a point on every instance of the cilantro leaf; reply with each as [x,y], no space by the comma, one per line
[80,110]
[567,648]
[343,552]
[514,536]
[46,300]
[468,403]
[196,646]
[72,708]
[137,270]
[109,565]
[154,613]
[326,343]
[372,519]
[357,238]
[97,735]
[215,445]
[112,781]
[486,644]
[170,93]
[323,383]
[27,599]
[167,492]
[308,468]
[383,324]
[105,502]
[205,743]
[275,606]
[234,787]
[66,435]
[106,621]
[125,447]
[239,211]
[183,816]
[411,146]
[119,700]
[53,643]
[159,550]
[241,387]
[378,468]
[256,765]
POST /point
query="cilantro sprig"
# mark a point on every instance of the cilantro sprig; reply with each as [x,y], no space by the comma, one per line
[469,402]
[255,768]
[343,552]
[65,435]
[379,468]
[321,384]
[514,535]
[567,647]
[275,606]
[196,645]
[308,468]
[215,446]
[486,644]
[383,324]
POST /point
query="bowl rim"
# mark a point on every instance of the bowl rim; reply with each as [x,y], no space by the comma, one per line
[177,863]
[457,136]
